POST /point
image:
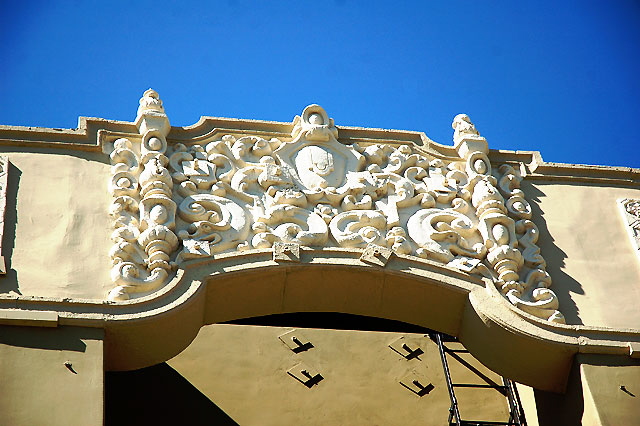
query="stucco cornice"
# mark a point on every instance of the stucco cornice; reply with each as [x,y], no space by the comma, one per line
[83,138]
[86,137]
[536,169]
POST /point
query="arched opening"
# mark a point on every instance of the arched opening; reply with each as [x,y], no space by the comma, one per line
[243,372]
[419,293]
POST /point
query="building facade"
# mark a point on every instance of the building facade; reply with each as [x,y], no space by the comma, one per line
[253,272]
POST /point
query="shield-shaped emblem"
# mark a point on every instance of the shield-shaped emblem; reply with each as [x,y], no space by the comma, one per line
[316,166]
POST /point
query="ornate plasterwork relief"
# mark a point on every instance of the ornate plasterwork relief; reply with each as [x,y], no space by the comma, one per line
[143,208]
[235,193]
[630,209]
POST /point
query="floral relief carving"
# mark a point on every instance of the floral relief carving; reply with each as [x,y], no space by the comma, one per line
[176,202]
[632,207]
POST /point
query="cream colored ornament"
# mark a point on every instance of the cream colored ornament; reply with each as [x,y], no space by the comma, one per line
[241,192]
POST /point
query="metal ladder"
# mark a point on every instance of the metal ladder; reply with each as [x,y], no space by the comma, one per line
[516,413]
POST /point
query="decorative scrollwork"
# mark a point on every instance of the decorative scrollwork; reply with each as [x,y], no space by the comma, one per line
[531,293]
[291,224]
[357,228]
[440,234]
[215,219]
[239,192]
[143,208]
[630,209]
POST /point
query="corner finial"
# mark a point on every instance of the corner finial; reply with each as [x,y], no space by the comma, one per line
[151,115]
[463,127]
[150,101]
[466,138]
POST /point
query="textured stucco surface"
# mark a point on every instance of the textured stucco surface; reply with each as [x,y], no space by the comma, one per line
[37,389]
[56,239]
[595,270]
[236,366]
[613,385]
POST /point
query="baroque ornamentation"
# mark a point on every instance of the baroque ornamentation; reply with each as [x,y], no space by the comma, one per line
[630,209]
[531,294]
[143,208]
[310,191]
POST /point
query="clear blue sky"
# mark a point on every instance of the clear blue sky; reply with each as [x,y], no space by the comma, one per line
[561,77]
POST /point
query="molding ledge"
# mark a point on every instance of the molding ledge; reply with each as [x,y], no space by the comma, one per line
[154,328]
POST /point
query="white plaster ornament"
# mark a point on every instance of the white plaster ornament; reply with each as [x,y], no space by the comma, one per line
[173,203]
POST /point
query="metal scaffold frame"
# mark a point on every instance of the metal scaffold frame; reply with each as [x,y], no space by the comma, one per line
[516,412]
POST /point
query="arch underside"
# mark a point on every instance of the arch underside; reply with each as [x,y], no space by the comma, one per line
[153,329]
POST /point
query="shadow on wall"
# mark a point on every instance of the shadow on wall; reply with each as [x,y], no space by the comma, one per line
[563,284]
[9,281]
[562,409]
[49,338]
[158,395]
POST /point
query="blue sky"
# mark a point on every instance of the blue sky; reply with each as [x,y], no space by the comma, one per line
[558,77]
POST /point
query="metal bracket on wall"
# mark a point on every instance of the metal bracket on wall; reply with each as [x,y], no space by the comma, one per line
[295,341]
[407,348]
[417,383]
[306,375]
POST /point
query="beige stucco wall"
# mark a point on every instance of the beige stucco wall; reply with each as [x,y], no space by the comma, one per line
[602,391]
[37,389]
[613,388]
[237,366]
[594,266]
[56,244]
[62,204]
[56,237]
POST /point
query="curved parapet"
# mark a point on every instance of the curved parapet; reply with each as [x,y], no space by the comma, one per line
[242,192]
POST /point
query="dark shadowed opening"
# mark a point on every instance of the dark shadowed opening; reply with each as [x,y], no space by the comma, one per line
[158,395]
[333,320]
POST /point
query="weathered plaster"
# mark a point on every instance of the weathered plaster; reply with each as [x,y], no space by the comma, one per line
[589,253]
[56,240]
